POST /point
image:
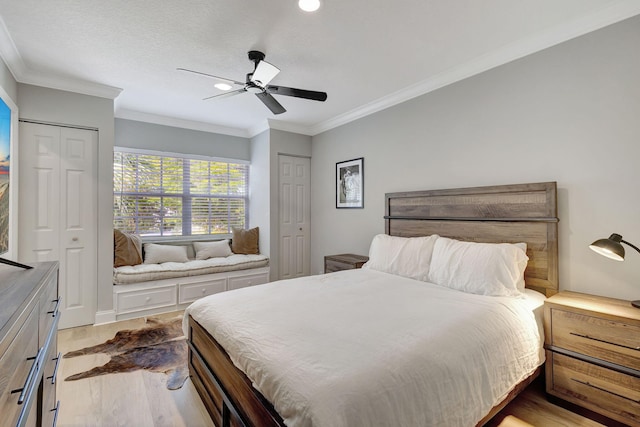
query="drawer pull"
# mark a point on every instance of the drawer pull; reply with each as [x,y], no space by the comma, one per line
[54,312]
[55,370]
[604,341]
[55,416]
[587,383]
[30,378]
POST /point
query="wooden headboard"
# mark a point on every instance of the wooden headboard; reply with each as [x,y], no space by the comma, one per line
[497,214]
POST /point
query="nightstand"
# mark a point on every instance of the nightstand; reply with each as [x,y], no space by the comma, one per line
[593,354]
[343,262]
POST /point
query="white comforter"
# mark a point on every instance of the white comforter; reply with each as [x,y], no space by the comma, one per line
[365,348]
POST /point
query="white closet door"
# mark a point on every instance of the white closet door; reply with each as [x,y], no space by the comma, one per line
[294,184]
[58,211]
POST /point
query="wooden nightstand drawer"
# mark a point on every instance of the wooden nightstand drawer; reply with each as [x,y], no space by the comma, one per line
[611,393]
[343,262]
[613,341]
[593,354]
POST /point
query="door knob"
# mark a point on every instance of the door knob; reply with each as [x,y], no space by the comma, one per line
[75,239]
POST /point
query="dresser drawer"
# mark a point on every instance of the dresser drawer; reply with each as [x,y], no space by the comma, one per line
[15,367]
[51,366]
[611,393]
[49,308]
[613,341]
[146,298]
[192,291]
[247,280]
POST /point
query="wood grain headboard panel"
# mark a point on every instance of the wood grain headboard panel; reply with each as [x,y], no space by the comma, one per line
[496,214]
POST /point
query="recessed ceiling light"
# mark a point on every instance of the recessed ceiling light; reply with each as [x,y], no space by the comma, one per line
[222,86]
[309,5]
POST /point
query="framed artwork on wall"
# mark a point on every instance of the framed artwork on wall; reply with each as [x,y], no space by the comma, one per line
[350,184]
[8,180]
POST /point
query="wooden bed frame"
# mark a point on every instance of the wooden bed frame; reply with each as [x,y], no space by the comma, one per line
[507,213]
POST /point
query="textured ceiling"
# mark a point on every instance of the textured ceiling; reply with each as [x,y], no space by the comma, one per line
[366,54]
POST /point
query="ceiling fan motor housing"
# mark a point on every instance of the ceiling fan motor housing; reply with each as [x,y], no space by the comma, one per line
[259,86]
[255,56]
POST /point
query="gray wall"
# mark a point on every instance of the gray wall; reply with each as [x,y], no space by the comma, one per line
[265,204]
[569,114]
[7,82]
[55,106]
[259,190]
[133,134]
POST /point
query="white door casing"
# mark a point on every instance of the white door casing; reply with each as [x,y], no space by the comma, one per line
[58,211]
[294,183]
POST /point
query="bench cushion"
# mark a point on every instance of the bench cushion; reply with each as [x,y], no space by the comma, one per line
[146,272]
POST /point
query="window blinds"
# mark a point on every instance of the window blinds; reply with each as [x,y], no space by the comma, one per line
[168,195]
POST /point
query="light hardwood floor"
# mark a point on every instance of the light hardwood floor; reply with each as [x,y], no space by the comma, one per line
[138,398]
[141,398]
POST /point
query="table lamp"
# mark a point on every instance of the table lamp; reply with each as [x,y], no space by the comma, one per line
[612,248]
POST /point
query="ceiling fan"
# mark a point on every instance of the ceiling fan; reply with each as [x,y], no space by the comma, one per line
[258,83]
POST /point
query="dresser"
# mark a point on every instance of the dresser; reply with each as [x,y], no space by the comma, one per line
[593,354]
[29,359]
[343,262]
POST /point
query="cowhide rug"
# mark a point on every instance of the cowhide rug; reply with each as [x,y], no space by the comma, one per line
[160,347]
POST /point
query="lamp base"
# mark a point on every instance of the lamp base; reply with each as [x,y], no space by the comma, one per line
[636,303]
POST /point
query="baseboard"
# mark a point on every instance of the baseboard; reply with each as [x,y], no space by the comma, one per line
[107,316]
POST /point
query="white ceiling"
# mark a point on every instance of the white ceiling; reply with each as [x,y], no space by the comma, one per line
[366,54]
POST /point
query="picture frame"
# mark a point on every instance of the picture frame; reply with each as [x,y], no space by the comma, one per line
[8,180]
[350,184]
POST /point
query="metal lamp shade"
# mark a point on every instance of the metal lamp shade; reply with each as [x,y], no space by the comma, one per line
[611,247]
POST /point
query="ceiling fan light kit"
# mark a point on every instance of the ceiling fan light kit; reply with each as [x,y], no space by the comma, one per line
[258,83]
[222,86]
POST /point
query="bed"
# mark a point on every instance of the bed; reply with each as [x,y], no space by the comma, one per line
[522,213]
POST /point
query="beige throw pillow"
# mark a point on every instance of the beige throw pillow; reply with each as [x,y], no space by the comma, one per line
[127,249]
[245,241]
[206,250]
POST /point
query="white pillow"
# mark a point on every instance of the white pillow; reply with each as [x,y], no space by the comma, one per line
[403,256]
[206,250]
[479,268]
[521,284]
[157,254]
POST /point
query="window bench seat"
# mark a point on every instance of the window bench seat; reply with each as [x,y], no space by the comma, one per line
[147,289]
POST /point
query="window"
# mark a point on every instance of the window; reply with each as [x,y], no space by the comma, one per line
[160,194]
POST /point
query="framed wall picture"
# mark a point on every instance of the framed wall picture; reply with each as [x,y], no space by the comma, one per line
[350,184]
[8,176]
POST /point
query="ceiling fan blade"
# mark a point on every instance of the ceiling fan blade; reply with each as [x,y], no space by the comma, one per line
[271,103]
[264,73]
[298,93]
[211,75]
[226,94]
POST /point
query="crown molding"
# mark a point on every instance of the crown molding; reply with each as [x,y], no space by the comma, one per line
[609,15]
[289,127]
[70,85]
[516,50]
[9,52]
[157,119]
[22,74]
[258,128]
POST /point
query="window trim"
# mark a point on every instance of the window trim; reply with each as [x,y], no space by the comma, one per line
[181,155]
[191,237]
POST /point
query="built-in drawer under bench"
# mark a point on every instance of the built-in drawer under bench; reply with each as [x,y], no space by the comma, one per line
[146,298]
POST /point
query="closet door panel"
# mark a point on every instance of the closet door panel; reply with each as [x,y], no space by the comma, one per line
[58,211]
